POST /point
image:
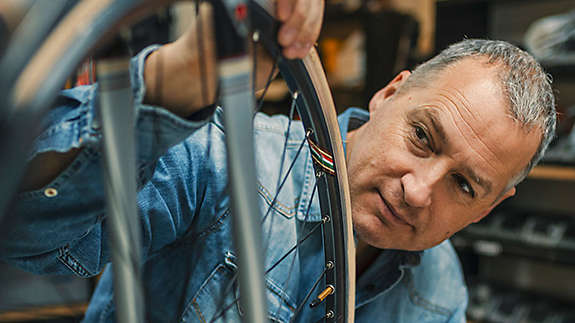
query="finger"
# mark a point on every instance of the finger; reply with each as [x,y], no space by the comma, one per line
[297,50]
[291,27]
[284,9]
[308,33]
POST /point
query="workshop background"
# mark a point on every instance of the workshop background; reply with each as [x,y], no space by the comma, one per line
[520,261]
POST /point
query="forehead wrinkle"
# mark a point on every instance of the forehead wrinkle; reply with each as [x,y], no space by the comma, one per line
[483,182]
[434,117]
[466,107]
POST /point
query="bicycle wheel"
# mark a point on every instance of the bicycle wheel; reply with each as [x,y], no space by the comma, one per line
[36,88]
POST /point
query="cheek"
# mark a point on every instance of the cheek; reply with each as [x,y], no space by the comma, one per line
[371,159]
[394,155]
[449,218]
[379,152]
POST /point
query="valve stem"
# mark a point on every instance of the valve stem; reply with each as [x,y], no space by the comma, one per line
[326,292]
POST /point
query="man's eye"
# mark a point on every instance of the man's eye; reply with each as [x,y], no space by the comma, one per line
[464,185]
[421,135]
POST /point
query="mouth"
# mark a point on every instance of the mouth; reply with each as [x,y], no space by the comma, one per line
[390,214]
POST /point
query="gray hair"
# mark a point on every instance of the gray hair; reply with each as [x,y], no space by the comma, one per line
[527,86]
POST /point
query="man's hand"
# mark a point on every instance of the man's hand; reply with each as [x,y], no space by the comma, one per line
[183,80]
[181,76]
[173,73]
[301,25]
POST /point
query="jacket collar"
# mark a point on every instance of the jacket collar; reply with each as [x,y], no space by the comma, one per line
[351,119]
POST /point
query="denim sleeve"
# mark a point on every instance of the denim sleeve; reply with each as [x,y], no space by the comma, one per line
[60,228]
[459,315]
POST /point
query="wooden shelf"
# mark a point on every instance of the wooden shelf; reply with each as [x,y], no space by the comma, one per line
[558,173]
[47,312]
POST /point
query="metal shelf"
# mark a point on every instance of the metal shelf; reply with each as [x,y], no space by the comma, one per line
[44,312]
[548,237]
[552,172]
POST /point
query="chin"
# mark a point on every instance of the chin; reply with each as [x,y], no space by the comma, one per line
[369,229]
[372,231]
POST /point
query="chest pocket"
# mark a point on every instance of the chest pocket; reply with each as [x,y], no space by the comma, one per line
[273,163]
[217,300]
[281,203]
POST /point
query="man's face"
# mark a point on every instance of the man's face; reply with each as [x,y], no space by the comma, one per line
[432,160]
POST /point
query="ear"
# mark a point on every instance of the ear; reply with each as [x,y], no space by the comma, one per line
[389,90]
[507,194]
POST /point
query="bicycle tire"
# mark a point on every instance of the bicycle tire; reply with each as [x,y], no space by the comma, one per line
[37,90]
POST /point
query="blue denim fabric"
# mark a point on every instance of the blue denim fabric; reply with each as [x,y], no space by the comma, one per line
[188,258]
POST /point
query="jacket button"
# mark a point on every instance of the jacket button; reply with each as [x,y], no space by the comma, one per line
[50,192]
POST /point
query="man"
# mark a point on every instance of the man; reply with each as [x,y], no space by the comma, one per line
[439,148]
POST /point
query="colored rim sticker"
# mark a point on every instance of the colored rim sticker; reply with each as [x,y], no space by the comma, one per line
[322,158]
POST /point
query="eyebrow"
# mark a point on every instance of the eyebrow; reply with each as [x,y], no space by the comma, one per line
[433,117]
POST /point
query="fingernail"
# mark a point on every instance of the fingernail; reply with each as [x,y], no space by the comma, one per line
[287,36]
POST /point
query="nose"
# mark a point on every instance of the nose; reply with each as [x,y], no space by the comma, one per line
[417,190]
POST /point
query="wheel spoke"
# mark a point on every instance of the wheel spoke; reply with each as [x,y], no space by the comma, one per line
[200,43]
[234,278]
[255,38]
[224,310]
[268,82]
[303,226]
[299,241]
[285,178]
[293,248]
[291,113]
[307,296]
[282,160]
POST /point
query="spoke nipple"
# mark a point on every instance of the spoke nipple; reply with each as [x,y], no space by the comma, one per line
[308,133]
[330,315]
[319,173]
[325,219]
[256,36]
[320,298]
[329,265]
[295,95]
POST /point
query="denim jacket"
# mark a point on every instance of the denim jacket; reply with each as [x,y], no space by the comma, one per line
[188,258]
